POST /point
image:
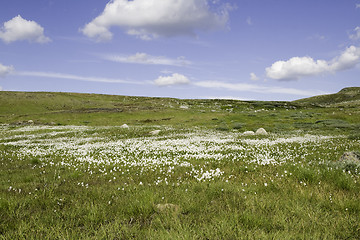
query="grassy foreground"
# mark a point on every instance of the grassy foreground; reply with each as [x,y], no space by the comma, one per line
[199,178]
[106,183]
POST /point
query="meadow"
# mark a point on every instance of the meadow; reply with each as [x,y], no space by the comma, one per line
[70,171]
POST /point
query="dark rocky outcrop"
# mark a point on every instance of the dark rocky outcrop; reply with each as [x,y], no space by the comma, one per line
[353,157]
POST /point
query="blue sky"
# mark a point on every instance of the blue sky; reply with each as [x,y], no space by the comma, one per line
[239,49]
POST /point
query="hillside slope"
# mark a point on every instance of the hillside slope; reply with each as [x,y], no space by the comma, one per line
[98,109]
[347,97]
[46,107]
[321,113]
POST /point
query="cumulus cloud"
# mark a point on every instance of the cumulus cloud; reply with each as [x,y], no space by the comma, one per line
[356,35]
[5,70]
[347,60]
[298,67]
[143,58]
[19,29]
[174,79]
[253,77]
[148,19]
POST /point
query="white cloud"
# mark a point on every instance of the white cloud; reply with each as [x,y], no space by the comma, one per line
[19,29]
[357,5]
[143,58]
[243,87]
[5,70]
[356,35]
[148,19]
[74,77]
[253,77]
[347,60]
[1,88]
[174,79]
[298,67]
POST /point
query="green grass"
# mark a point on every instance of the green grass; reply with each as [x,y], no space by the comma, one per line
[300,198]
[347,97]
[17,108]
[89,181]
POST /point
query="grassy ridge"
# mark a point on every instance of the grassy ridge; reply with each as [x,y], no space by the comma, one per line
[347,97]
[109,110]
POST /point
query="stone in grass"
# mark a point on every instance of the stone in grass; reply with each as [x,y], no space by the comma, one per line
[184,107]
[155,132]
[248,133]
[167,208]
[261,131]
[350,157]
[124,126]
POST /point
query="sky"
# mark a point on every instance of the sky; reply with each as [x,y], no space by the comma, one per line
[231,49]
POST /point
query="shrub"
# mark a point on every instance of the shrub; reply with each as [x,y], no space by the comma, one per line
[352,166]
[222,127]
[334,123]
[35,161]
[237,125]
[355,135]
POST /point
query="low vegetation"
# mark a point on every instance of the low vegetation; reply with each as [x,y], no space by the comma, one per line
[69,171]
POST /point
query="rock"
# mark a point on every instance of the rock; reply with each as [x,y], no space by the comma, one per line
[30,122]
[167,208]
[184,107]
[248,133]
[155,132]
[124,126]
[350,157]
[261,131]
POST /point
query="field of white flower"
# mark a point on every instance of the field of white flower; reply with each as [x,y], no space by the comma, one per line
[204,172]
[194,151]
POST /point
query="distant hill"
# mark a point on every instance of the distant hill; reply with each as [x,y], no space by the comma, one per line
[347,97]
[59,102]
[54,108]
[29,103]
